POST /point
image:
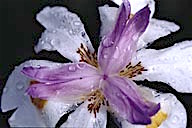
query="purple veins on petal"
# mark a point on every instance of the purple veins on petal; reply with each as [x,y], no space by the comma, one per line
[125,99]
[64,73]
[117,48]
[67,80]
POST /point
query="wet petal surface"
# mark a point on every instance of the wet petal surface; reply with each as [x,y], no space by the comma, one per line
[118,47]
[125,99]
[176,113]
[14,97]
[171,65]
[64,32]
[81,117]
[72,79]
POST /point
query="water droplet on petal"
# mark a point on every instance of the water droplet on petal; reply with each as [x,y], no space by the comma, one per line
[5,90]
[135,37]
[108,43]
[54,31]
[70,32]
[42,42]
[105,56]
[72,68]
[81,66]
[175,119]
[19,85]
[77,23]
[116,53]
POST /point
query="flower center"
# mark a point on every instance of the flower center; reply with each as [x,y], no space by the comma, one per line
[96,99]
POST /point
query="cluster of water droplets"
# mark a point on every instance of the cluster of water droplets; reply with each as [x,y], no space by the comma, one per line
[76,67]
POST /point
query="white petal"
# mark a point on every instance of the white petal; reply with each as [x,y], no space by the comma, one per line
[14,97]
[137,5]
[81,117]
[155,30]
[26,116]
[64,32]
[171,65]
[53,111]
[107,17]
[176,113]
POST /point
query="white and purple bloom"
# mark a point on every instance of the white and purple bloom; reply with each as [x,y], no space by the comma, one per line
[103,82]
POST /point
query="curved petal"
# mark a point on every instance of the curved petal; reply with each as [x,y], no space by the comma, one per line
[137,5]
[156,28]
[171,65]
[64,32]
[119,45]
[125,99]
[72,79]
[14,97]
[84,119]
[176,113]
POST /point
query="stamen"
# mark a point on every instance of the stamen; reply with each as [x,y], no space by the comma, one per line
[157,119]
[39,103]
[132,71]
[97,99]
[87,56]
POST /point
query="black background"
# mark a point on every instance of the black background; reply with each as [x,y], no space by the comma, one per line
[19,31]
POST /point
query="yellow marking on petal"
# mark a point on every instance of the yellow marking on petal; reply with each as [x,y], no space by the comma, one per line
[39,103]
[157,119]
[132,71]
[87,56]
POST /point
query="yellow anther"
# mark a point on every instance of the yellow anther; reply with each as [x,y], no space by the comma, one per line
[87,56]
[157,119]
[132,71]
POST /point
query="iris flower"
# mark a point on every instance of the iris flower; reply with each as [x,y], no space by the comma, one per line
[96,83]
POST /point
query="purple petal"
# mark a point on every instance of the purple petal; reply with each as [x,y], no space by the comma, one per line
[118,47]
[64,73]
[73,88]
[68,79]
[125,99]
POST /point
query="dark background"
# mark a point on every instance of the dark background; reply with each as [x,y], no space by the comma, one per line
[19,31]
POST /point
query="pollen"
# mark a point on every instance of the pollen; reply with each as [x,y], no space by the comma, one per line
[96,99]
[157,119]
[39,103]
[87,56]
[132,71]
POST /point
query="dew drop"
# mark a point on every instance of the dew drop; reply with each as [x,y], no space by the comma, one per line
[77,23]
[72,68]
[175,119]
[54,31]
[5,90]
[70,32]
[42,42]
[116,53]
[108,43]
[19,85]
[81,66]
[135,37]
[105,56]
[62,27]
